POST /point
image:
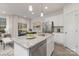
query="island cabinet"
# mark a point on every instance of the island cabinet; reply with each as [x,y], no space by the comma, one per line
[43,48]
[50,45]
[39,49]
[20,50]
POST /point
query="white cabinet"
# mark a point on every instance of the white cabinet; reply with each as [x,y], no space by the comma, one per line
[57,19]
[43,48]
[50,45]
[60,20]
[59,38]
[70,30]
[77,24]
[20,51]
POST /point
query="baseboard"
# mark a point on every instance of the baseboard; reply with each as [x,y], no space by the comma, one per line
[72,50]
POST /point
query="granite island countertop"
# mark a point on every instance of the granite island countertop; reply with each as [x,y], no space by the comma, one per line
[28,43]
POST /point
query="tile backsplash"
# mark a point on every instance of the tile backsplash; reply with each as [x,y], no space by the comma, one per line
[58,29]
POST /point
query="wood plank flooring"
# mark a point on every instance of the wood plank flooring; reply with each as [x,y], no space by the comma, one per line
[60,50]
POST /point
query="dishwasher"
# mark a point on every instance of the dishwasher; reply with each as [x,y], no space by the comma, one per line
[39,49]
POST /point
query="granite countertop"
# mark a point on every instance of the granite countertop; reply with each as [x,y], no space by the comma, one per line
[28,43]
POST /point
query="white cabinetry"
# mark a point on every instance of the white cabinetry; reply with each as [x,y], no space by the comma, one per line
[57,19]
[20,51]
[42,48]
[70,30]
[50,45]
[77,24]
[60,20]
[59,38]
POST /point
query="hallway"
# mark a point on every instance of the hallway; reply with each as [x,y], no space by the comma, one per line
[60,50]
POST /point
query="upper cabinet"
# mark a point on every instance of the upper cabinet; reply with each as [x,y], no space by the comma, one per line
[57,19]
[60,20]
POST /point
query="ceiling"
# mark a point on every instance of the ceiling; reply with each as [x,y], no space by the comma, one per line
[21,9]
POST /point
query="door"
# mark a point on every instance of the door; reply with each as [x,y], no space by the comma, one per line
[70,30]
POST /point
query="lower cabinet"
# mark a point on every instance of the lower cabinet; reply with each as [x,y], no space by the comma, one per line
[50,45]
[39,49]
[49,48]
[20,51]
[44,48]
[59,38]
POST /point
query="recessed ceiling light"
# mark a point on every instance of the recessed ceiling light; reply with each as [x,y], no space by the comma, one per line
[4,12]
[46,7]
[30,8]
[42,14]
[32,12]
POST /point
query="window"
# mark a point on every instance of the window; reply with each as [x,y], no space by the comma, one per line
[22,29]
[2,24]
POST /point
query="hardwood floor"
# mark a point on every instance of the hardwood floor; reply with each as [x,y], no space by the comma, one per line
[60,50]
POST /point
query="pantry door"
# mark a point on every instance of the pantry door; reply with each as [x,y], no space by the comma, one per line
[70,30]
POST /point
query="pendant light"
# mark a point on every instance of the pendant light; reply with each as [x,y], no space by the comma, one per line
[42,13]
[30,8]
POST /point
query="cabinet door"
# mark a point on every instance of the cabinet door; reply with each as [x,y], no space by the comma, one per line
[77,24]
[20,51]
[59,38]
[70,30]
[56,20]
[60,20]
[50,45]
[49,48]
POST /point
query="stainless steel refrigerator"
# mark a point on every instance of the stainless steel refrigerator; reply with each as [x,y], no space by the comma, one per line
[48,27]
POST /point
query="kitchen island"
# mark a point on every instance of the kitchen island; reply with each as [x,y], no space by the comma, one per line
[38,46]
